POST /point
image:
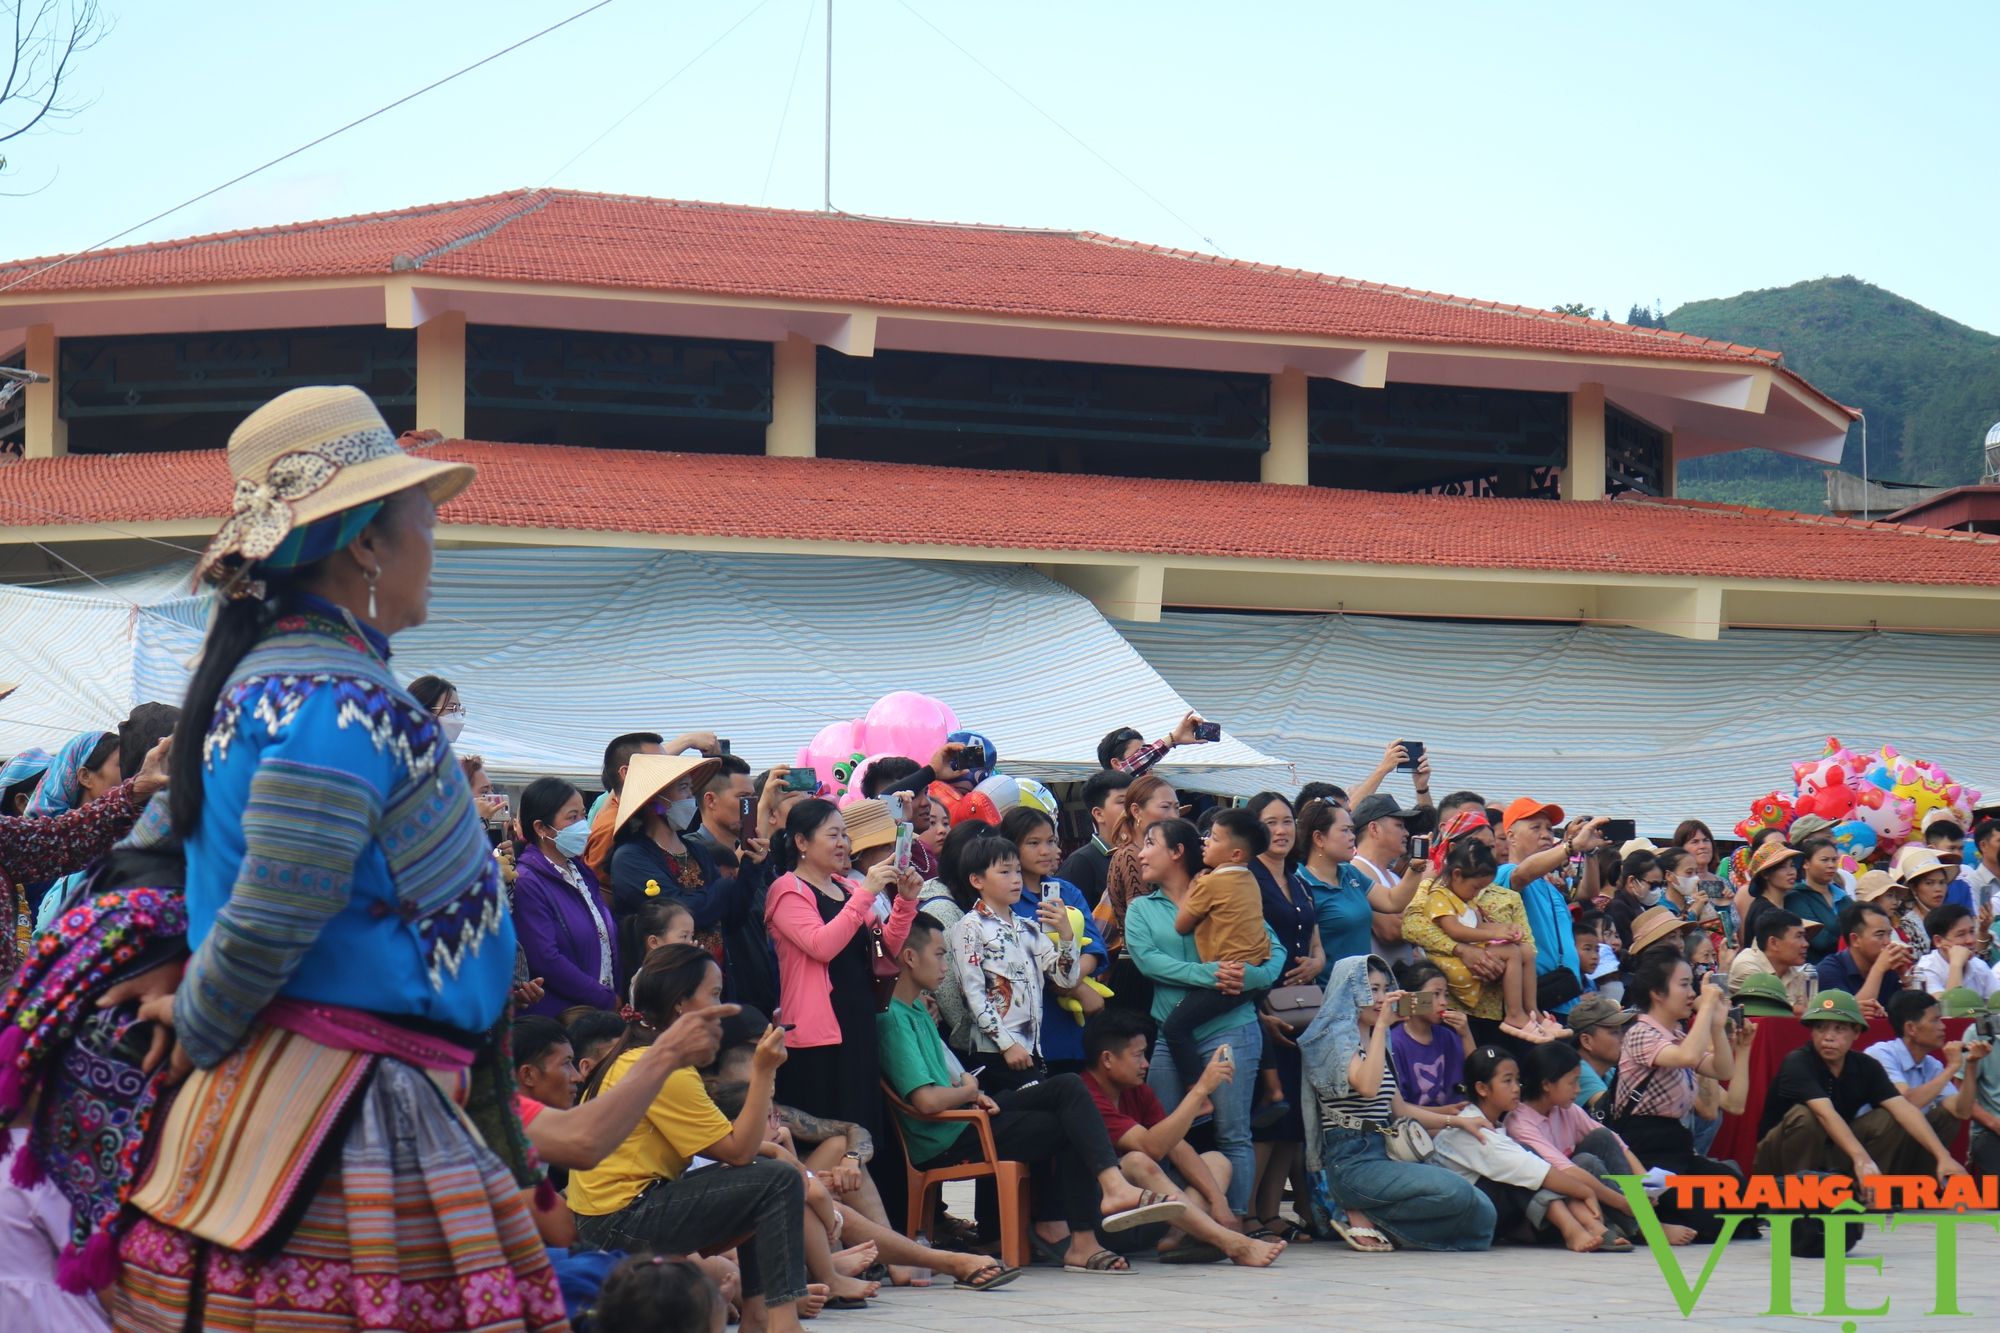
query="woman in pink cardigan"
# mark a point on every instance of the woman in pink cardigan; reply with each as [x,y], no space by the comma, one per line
[825,926]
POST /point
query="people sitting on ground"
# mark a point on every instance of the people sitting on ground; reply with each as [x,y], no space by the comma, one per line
[1428,1047]
[1451,904]
[1156,1153]
[1675,1037]
[1104,800]
[1373,1201]
[1599,1027]
[854,1237]
[1912,1060]
[1224,911]
[1833,1110]
[647,1194]
[1872,965]
[1777,946]
[1953,960]
[1064,1010]
[1003,962]
[1051,1119]
[1977,883]
[1170,859]
[1550,1123]
[1531,1198]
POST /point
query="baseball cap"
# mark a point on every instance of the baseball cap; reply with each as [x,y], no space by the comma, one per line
[1524,807]
[1805,826]
[1598,1011]
[1835,1006]
[744,1027]
[1381,805]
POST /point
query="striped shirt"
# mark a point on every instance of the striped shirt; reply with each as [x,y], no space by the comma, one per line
[1357,1112]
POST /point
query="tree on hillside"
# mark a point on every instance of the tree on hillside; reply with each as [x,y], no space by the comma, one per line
[48,37]
[1575,308]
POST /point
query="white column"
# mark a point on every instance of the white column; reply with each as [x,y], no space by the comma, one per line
[47,432]
[1286,462]
[1583,479]
[441,374]
[793,432]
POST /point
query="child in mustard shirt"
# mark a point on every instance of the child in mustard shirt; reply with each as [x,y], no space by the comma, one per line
[1451,902]
[1224,912]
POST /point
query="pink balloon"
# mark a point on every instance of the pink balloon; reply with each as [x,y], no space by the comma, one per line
[905,723]
[834,745]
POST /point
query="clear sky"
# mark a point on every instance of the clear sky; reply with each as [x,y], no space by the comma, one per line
[1532,152]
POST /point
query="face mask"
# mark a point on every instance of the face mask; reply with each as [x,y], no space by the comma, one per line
[679,814]
[1649,896]
[451,725]
[572,840]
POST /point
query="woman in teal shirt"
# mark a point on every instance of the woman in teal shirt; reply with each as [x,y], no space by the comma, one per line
[1340,892]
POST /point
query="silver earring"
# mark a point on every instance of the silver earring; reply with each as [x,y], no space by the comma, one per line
[372,615]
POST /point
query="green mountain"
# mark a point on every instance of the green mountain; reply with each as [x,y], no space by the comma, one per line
[1929,385]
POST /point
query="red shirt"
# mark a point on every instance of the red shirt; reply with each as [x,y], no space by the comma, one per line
[527,1107]
[1136,1108]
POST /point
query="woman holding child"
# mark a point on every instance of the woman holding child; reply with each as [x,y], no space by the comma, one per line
[1170,857]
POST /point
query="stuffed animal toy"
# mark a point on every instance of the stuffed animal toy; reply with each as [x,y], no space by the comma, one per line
[1772,811]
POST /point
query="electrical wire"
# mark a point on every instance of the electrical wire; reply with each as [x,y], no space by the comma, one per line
[1065,129]
[655,93]
[237,180]
[790,88]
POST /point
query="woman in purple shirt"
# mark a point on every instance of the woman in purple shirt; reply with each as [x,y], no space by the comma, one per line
[560,916]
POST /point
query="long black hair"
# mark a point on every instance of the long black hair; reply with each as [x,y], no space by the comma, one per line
[541,801]
[430,690]
[963,833]
[805,819]
[233,630]
[1544,1066]
[669,975]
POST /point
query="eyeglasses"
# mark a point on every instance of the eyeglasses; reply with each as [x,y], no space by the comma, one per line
[452,710]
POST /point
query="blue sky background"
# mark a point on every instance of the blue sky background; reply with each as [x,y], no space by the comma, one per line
[1538,153]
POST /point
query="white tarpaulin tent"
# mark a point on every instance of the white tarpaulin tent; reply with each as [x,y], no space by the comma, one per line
[556,651]
[1600,721]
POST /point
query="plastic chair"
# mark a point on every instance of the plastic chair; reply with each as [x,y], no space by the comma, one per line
[1010,1178]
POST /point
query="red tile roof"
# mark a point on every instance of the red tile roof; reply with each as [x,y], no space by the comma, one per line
[777,499]
[561,236]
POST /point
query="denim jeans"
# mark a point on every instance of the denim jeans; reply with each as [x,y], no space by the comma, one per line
[1420,1207]
[1232,1102]
[713,1206]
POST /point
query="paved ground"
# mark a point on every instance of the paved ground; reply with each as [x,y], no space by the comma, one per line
[1319,1286]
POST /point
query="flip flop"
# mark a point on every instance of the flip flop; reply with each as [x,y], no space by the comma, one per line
[1046,1251]
[844,1303]
[1612,1245]
[986,1279]
[1104,1261]
[1355,1235]
[1152,1208]
[1192,1254]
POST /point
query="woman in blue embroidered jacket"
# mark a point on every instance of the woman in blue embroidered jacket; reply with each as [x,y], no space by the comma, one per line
[351,945]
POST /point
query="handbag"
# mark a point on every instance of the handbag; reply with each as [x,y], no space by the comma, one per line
[1557,988]
[1408,1141]
[885,969]
[1294,1006]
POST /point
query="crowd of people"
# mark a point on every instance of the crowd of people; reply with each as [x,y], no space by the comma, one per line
[667,1050]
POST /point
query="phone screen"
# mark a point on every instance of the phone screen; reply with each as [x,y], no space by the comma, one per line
[906,835]
[802,779]
[1208,732]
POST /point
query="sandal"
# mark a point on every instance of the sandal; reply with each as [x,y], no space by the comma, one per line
[986,1279]
[1366,1240]
[1151,1208]
[1046,1251]
[1104,1261]
[1291,1232]
[1612,1244]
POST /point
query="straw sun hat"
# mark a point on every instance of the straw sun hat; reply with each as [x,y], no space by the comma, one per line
[308,454]
[651,774]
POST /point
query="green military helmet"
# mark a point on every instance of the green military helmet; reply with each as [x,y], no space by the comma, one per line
[1834,1006]
[1762,995]
[1962,1002]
